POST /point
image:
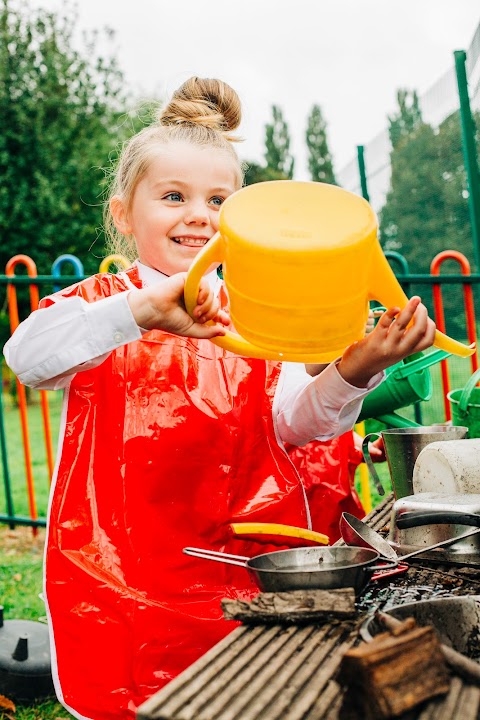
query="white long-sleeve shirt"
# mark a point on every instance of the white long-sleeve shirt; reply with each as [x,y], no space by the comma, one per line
[55,343]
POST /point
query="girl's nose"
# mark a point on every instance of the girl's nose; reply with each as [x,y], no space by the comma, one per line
[197,214]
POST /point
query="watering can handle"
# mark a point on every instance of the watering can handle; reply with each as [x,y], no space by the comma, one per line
[467,391]
[368,460]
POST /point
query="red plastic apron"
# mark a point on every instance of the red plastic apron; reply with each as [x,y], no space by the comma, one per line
[327,470]
[165,444]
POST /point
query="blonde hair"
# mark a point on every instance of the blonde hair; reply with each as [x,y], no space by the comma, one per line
[203,112]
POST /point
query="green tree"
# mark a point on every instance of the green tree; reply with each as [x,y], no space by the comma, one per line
[320,161]
[407,119]
[413,219]
[62,115]
[426,209]
[277,145]
[255,173]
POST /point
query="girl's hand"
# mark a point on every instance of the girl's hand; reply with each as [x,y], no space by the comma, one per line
[376,448]
[396,335]
[162,307]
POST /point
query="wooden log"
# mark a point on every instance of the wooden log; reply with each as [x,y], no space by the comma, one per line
[394,674]
[462,665]
[292,607]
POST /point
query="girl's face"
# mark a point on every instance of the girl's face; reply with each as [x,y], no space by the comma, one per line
[175,206]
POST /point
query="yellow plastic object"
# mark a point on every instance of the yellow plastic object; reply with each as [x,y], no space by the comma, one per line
[119,260]
[365,494]
[301,261]
[258,528]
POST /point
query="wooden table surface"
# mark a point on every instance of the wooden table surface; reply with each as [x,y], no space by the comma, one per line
[279,672]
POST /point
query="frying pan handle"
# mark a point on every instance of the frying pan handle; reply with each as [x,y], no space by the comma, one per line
[239,560]
[386,565]
[441,517]
[368,460]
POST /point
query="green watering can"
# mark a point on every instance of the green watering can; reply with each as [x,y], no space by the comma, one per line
[465,406]
[406,383]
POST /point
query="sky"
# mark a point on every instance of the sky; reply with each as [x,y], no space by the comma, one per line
[348,56]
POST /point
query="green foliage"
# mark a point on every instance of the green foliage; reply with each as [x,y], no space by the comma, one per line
[256,173]
[426,209]
[413,218]
[407,120]
[62,116]
[277,145]
[320,161]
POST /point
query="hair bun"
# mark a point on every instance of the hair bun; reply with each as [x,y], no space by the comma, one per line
[204,101]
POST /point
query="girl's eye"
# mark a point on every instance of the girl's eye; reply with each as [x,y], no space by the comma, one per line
[217,200]
[174,196]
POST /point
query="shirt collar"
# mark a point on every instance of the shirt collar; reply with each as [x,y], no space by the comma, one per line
[150,276]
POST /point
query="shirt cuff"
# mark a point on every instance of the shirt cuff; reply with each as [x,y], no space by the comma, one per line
[112,323]
[341,394]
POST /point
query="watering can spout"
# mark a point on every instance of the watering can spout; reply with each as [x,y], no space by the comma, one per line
[385,288]
[443,342]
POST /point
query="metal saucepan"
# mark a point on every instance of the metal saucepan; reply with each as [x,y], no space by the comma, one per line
[356,533]
[303,568]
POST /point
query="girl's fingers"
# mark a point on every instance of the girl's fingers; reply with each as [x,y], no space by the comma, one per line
[207,332]
[405,316]
[421,326]
[386,319]
[223,318]
[219,316]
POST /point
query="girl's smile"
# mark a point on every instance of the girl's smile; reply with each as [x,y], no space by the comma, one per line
[192,241]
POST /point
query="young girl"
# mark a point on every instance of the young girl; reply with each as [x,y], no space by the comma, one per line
[166,439]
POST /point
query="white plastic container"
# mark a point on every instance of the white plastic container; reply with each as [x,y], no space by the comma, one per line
[451,467]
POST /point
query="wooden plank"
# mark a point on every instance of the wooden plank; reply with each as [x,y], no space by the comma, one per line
[292,607]
[254,698]
[304,687]
[237,682]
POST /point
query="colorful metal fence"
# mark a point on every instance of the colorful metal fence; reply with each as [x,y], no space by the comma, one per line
[34,516]
[37,285]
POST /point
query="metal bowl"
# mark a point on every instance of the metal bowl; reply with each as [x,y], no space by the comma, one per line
[456,620]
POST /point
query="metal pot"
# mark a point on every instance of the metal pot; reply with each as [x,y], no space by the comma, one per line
[303,568]
[357,533]
[418,521]
[402,448]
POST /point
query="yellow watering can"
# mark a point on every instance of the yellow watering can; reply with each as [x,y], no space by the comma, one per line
[301,261]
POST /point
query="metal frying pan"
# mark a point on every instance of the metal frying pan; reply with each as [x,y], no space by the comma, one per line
[356,533]
[303,568]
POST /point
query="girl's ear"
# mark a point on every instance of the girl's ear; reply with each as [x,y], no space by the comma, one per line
[119,215]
